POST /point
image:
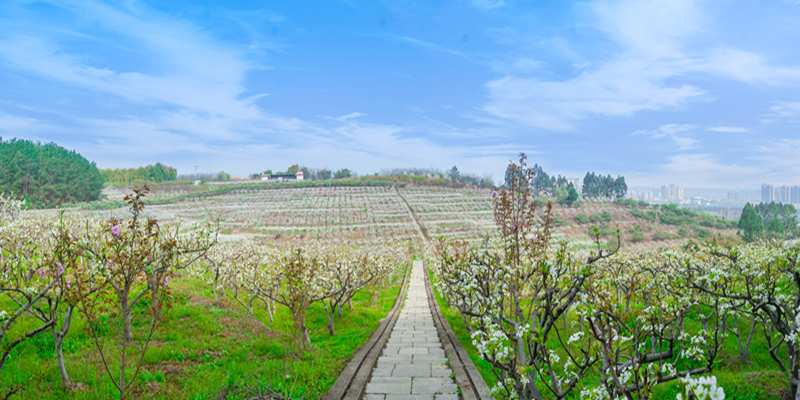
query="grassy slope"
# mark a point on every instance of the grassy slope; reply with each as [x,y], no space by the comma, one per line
[206,345]
[760,379]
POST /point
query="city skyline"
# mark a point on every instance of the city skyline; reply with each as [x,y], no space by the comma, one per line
[656,91]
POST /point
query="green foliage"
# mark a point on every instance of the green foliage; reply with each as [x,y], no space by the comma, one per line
[750,223]
[605,216]
[133,176]
[638,237]
[572,195]
[661,235]
[604,186]
[701,233]
[785,214]
[342,173]
[627,202]
[46,175]
[293,169]
[582,218]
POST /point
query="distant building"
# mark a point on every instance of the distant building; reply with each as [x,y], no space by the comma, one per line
[283,177]
[672,191]
[577,183]
[780,194]
[733,195]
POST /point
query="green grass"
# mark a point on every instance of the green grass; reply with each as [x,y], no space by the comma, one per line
[760,379]
[205,346]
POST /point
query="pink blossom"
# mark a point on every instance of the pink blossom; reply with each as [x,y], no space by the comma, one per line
[41,273]
[115,231]
[60,269]
[68,285]
[494,193]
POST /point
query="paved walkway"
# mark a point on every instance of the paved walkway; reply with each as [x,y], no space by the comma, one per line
[413,365]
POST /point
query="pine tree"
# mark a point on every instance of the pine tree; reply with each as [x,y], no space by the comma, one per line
[750,223]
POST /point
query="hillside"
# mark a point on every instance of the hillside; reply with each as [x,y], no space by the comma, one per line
[368,213]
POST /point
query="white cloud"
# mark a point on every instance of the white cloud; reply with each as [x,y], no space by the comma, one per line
[674,132]
[728,129]
[349,116]
[702,170]
[786,109]
[658,44]
[488,4]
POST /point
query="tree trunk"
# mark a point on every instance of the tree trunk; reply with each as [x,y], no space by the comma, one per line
[330,313]
[304,333]
[127,333]
[58,337]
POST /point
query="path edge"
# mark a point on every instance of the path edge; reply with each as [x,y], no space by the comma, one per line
[472,385]
[354,377]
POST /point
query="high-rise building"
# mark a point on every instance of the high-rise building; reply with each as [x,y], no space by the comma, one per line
[780,194]
[733,195]
[767,193]
[672,191]
[577,183]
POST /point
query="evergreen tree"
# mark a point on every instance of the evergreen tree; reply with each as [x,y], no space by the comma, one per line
[572,196]
[46,174]
[750,223]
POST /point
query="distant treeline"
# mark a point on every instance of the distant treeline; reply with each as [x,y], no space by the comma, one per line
[414,175]
[46,174]
[220,176]
[593,185]
[130,176]
[604,186]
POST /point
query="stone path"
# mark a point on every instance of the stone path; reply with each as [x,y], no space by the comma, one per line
[413,365]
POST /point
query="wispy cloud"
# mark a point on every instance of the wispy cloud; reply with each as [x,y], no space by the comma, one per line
[656,50]
[354,114]
[489,4]
[676,132]
[705,170]
[728,129]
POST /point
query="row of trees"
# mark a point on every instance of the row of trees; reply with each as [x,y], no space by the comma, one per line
[131,176]
[53,271]
[556,324]
[770,220]
[46,175]
[297,276]
[593,185]
[604,186]
[101,270]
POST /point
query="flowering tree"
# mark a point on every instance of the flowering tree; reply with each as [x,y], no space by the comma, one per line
[514,292]
[636,308]
[131,263]
[299,287]
[764,280]
[10,208]
[347,271]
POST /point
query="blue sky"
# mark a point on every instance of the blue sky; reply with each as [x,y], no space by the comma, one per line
[700,93]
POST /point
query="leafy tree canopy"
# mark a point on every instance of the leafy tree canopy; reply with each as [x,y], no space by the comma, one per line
[46,174]
[750,223]
[135,176]
[604,186]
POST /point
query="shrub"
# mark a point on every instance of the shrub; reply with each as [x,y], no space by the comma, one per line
[661,235]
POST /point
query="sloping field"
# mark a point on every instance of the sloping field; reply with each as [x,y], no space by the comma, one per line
[368,214]
[324,213]
[464,214]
